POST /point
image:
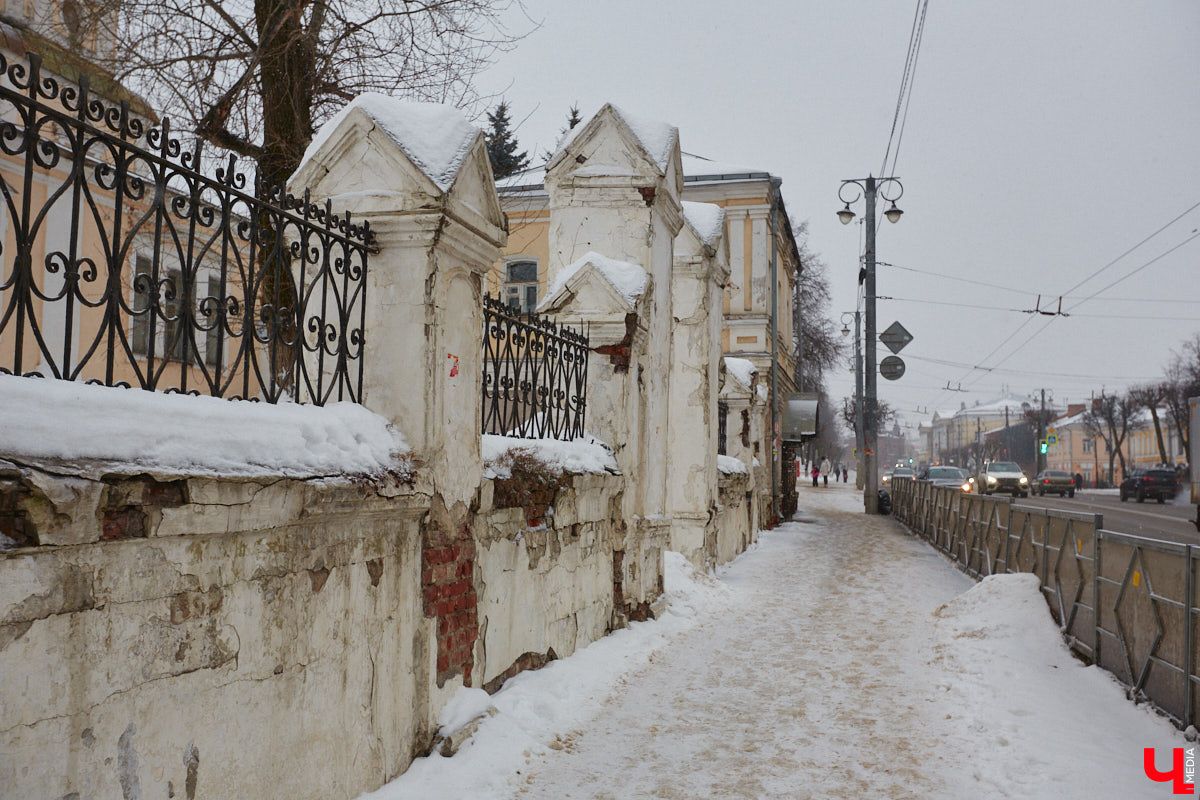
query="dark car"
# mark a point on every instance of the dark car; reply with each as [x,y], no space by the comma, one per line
[1054,481]
[950,477]
[1160,483]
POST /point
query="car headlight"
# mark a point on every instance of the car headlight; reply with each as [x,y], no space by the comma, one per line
[992,479]
[966,487]
[1024,479]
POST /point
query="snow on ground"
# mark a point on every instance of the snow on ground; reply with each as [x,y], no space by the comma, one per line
[47,419]
[837,658]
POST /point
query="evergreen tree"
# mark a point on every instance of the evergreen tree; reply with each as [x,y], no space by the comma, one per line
[573,118]
[502,144]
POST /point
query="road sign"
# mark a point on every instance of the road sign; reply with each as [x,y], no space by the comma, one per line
[895,337]
[1052,438]
[891,368]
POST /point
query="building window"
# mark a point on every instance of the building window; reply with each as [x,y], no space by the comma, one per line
[521,285]
[1088,444]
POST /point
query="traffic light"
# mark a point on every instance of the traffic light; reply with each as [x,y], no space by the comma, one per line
[1042,446]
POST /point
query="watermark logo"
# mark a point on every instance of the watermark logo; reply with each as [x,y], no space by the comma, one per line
[1182,772]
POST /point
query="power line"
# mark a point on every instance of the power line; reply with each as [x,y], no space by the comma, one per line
[912,33]
[1135,247]
[911,80]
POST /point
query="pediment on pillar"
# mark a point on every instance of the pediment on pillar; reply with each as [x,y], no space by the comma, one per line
[596,285]
[619,146]
[403,156]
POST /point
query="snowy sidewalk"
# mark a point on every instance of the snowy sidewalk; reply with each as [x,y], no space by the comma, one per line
[838,658]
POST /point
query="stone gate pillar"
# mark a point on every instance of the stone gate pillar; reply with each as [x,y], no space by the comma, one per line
[419,174]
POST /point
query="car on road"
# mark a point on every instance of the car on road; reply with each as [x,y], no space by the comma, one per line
[898,472]
[1054,481]
[1160,483]
[1002,476]
[950,477]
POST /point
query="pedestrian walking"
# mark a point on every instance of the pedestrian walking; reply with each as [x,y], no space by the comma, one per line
[1078,481]
[816,473]
[845,474]
[826,468]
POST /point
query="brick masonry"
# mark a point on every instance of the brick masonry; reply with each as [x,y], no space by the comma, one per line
[448,595]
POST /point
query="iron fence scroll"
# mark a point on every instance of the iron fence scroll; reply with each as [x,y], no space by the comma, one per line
[534,374]
[131,267]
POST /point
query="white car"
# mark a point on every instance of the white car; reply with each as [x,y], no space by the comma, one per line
[1003,476]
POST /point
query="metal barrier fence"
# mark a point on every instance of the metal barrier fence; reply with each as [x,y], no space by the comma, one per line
[534,374]
[1126,603]
[130,267]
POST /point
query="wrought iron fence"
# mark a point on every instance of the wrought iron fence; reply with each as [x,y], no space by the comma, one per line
[131,267]
[722,427]
[1127,603]
[534,374]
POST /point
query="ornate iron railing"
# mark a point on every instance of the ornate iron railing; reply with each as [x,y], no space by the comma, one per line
[1127,603]
[722,427]
[130,267]
[534,374]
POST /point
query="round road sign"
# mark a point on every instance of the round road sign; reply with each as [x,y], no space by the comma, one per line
[891,367]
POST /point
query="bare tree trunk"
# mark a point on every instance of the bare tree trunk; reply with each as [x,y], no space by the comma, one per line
[1162,448]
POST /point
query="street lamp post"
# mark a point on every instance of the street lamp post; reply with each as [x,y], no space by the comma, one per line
[858,393]
[868,188]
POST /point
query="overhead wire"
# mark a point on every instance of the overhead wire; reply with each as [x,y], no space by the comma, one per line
[1050,320]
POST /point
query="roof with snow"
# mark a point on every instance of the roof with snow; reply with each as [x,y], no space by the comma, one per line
[656,138]
[706,219]
[435,137]
[696,169]
[627,278]
[742,369]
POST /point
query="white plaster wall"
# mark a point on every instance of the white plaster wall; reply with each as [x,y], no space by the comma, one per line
[231,657]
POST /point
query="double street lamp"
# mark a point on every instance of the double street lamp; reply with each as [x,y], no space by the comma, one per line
[890,189]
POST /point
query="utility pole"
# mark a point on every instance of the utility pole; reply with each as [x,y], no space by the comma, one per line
[868,188]
[1041,458]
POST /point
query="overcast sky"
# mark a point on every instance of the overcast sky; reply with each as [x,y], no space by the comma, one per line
[1044,139]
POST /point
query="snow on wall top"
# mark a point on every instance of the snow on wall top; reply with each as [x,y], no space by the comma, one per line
[706,219]
[628,279]
[584,454]
[77,422]
[435,137]
[657,138]
[741,369]
[731,466]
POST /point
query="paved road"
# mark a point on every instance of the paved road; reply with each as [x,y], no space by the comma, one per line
[1170,521]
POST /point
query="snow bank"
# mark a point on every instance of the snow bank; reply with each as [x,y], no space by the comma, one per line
[184,434]
[435,137]
[628,279]
[534,708]
[743,370]
[731,466]
[1003,660]
[585,454]
[706,219]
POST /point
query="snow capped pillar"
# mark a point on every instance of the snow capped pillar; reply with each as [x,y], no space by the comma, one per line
[701,269]
[419,174]
[614,188]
